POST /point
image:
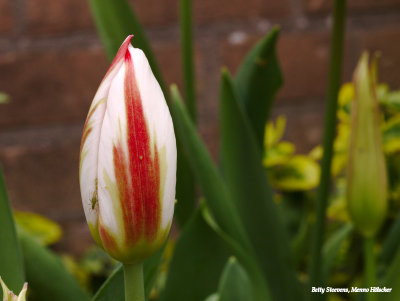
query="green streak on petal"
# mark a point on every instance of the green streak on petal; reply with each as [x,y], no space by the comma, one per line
[112,189]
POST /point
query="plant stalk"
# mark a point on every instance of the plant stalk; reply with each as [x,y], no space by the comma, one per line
[369,268]
[134,284]
[335,70]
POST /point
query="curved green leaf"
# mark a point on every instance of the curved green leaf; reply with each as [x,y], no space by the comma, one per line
[11,263]
[47,277]
[214,189]
[197,262]
[247,182]
[391,244]
[257,81]
[235,284]
[332,247]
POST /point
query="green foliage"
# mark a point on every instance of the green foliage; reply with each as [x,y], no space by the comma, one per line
[4,98]
[47,277]
[197,262]
[251,195]
[235,283]
[42,229]
[257,81]
[11,264]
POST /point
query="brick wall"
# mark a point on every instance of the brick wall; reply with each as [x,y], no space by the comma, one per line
[51,62]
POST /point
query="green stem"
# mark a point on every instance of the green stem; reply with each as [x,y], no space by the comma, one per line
[187,56]
[369,268]
[335,69]
[134,284]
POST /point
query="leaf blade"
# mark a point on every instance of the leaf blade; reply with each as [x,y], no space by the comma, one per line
[252,195]
[11,262]
[257,81]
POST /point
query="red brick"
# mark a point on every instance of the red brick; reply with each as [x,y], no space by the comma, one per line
[48,17]
[323,6]
[41,169]
[168,56]
[212,11]
[155,12]
[385,41]
[6,16]
[304,123]
[52,86]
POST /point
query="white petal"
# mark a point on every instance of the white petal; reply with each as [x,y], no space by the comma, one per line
[113,132]
[89,154]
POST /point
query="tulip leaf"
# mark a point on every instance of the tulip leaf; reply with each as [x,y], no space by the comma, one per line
[225,219]
[115,20]
[197,262]
[47,277]
[332,247]
[253,198]
[113,289]
[257,81]
[391,244]
[214,189]
[392,280]
[246,259]
[235,284]
[213,297]
[11,263]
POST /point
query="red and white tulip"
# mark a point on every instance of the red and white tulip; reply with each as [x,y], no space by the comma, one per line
[128,160]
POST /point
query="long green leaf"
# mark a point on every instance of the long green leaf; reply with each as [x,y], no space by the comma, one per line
[11,263]
[197,263]
[218,199]
[392,280]
[47,277]
[332,247]
[235,284]
[260,288]
[116,20]
[246,179]
[210,180]
[113,288]
[391,244]
[257,81]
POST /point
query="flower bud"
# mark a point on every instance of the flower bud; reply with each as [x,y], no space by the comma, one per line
[10,296]
[128,160]
[366,171]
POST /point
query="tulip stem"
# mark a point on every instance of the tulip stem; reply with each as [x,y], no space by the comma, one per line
[335,70]
[134,284]
[369,268]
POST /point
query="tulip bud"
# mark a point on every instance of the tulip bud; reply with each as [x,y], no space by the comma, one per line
[366,172]
[10,296]
[128,160]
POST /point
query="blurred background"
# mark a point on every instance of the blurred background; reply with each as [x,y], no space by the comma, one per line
[51,62]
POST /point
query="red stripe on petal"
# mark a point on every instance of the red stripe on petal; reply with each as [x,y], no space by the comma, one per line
[133,224]
[120,54]
[107,239]
[143,167]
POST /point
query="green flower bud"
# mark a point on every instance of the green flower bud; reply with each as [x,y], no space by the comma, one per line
[10,296]
[366,171]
